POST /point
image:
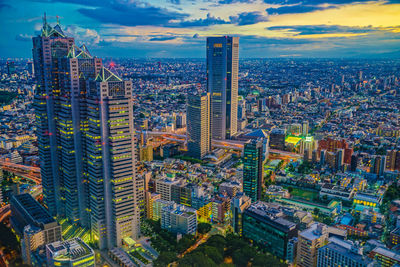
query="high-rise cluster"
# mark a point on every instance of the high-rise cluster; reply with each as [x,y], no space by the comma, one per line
[214,115]
[85,132]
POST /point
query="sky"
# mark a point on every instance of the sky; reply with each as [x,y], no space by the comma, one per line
[178,28]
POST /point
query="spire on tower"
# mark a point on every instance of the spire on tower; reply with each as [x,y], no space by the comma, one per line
[58,19]
[44,19]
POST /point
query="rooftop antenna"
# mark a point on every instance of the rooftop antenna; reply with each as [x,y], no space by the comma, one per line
[58,19]
[44,19]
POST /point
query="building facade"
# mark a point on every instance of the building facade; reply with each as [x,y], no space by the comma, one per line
[268,228]
[198,125]
[86,139]
[253,169]
[222,84]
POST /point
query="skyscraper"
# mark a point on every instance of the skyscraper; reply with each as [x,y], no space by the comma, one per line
[198,125]
[86,139]
[253,168]
[48,48]
[112,159]
[222,84]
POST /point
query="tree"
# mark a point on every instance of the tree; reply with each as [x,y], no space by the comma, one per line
[290,189]
[203,228]
[165,258]
[184,243]
[196,259]
[214,254]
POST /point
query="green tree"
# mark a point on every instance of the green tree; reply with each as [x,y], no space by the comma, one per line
[214,254]
[184,243]
[203,228]
[165,258]
[196,259]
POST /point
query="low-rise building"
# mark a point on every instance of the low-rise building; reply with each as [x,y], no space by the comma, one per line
[70,253]
[179,219]
[339,252]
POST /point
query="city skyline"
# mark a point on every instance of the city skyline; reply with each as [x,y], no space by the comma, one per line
[269,28]
[108,161]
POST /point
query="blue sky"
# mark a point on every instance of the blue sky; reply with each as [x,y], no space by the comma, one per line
[178,28]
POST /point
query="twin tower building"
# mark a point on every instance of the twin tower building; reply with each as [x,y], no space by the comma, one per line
[214,115]
[85,131]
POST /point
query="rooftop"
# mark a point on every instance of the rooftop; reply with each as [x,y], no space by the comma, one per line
[70,249]
[33,209]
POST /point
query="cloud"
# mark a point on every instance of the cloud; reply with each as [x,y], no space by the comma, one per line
[83,35]
[162,38]
[175,2]
[305,6]
[320,29]
[209,20]
[293,9]
[227,2]
[23,37]
[132,14]
[248,18]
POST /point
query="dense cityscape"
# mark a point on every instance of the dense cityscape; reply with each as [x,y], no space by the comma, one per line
[210,161]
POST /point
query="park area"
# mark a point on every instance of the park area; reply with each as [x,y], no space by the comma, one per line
[304,194]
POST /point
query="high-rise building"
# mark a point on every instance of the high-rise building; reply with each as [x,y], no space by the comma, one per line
[222,84]
[48,48]
[339,159]
[277,139]
[309,241]
[379,165]
[10,67]
[86,139]
[342,253]
[267,227]
[239,204]
[110,146]
[253,168]
[354,162]
[198,125]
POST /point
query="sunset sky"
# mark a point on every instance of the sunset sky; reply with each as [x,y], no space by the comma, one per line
[177,28]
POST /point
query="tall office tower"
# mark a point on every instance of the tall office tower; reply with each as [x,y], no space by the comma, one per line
[51,45]
[339,159]
[222,84]
[379,165]
[86,139]
[393,160]
[354,162]
[71,129]
[305,128]
[309,241]
[198,125]
[111,156]
[253,168]
[322,157]
[10,67]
